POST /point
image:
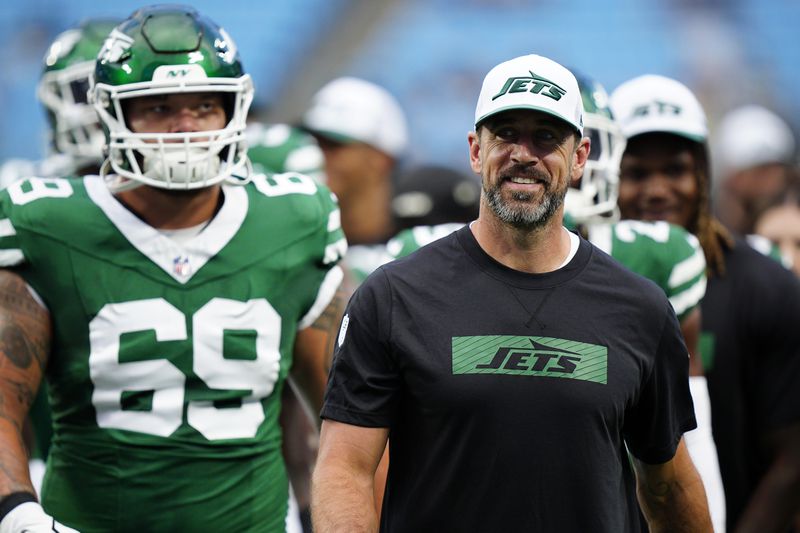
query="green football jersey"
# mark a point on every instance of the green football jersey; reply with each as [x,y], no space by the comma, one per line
[414,238]
[362,259]
[279,148]
[664,253]
[168,358]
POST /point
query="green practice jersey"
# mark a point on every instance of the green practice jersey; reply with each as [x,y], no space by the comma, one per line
[168,358]
[278,148]
[664,253]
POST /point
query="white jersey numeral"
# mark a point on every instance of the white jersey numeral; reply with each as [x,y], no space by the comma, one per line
[626,230]
[113,379]
[28,190]
[282,184]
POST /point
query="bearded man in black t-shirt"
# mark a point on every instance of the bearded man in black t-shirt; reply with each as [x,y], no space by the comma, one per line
[529,382]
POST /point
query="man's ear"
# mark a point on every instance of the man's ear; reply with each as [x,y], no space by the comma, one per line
[580,157]
[474,151]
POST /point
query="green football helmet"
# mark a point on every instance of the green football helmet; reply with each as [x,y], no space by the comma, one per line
[167,50]
[595,196]
[63,86]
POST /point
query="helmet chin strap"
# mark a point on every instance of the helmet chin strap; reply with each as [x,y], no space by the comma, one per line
[115,182]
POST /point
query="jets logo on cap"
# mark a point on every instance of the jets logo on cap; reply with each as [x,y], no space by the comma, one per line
[657,107]
[531,84]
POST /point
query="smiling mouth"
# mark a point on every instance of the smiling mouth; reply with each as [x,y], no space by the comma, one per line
[524,181]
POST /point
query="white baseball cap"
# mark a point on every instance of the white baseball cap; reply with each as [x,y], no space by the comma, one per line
[752,135]
[657,104]
[531,82]
[355,110]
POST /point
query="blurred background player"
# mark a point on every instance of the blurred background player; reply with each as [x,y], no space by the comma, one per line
[279,148]
[351,139]
[76,138]
[428,195]
[168,352]
[662,252]
[780,224]
[755,153]
[430,202]
[363,134]
[749,340]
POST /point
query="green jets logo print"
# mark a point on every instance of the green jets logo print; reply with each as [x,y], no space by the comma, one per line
[530,356]
[532,84]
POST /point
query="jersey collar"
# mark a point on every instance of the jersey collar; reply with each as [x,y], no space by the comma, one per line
[180,261]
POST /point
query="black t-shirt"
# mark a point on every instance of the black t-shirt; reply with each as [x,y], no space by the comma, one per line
[751,340]
[510,397]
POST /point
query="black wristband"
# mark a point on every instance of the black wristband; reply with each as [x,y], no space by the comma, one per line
[14,499]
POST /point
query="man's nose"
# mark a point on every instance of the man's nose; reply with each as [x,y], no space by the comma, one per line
[185,120]
[524,152]
[657,185]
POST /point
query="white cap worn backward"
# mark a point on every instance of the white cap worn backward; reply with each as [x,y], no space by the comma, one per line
[531,82]
[355,110]
[657,104]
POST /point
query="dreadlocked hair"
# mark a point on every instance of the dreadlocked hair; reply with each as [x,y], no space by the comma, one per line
[713,237]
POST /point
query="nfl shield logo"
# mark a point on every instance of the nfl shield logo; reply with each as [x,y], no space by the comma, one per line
[181,267]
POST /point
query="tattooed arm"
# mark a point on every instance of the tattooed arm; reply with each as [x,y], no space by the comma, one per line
[313,351]
[672,496]
[24,349]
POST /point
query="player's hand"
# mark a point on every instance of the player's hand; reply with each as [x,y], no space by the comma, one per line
[29,517]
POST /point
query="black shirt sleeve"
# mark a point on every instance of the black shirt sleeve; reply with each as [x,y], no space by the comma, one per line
[364,382]
[664,408]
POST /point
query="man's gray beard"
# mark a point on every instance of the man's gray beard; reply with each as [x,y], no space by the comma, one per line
[524,215]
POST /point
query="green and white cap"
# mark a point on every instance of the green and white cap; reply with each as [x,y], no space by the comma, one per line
[657,104]
[531,82]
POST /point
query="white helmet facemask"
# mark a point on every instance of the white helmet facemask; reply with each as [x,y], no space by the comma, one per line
[596,197]
[190,160]
[76,130]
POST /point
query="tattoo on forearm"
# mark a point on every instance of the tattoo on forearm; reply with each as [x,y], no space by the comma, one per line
[15,347]
[13,471]
[660,490]
[21,391]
